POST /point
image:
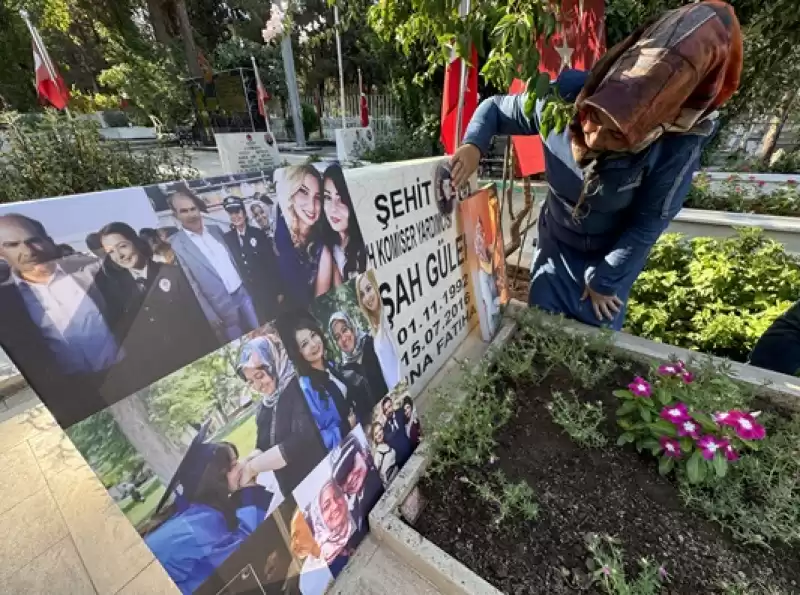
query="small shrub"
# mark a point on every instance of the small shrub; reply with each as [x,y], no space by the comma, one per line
[713,295]
[579,419]
[402,145]
[512,500]
[310,121]
[741,196]
[663,417]
[61,156]
[608,567]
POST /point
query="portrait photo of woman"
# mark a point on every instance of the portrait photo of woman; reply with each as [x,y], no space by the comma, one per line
[209,518]
[342,232]
[306,264]
[333,527]
[358,352]
[286,438]
[369,300]
[153,311]
[339,399]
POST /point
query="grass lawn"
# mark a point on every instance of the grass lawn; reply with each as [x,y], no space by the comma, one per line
[243,436]
[141,511]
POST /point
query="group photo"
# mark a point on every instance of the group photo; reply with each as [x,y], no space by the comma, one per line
[394,433]
[317,235]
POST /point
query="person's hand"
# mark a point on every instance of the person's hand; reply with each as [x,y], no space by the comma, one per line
[248,475]
[604,306]
[463,164]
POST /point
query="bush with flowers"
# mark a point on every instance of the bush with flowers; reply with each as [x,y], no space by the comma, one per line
[740,194]
[661,416]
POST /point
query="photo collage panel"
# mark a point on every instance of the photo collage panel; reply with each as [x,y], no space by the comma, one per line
[218,352]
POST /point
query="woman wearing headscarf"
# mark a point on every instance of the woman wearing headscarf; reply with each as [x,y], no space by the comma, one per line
[358,353]
[306,264]
[333,527]
[209,517]
[286,434]
[370,303]
[339,399]
[488,287]
[619,173]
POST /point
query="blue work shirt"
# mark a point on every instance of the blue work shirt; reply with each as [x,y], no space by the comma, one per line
[193,543]
[629,204]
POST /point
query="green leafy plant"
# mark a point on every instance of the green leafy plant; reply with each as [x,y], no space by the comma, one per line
[60,156]
[512,500]
[739,195]
[608,565]
[713,295]
[581,420]
[401,145]
[310,121]
[663,418]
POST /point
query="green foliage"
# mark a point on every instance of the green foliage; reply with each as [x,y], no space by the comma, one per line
[463,430]
[512,500]
[101,442]
[61,156]
[235,53]
[743,196]
[89,103]
[580,419]
[713,295]
[760,502]
[403,145]
[310,121]
[608,563]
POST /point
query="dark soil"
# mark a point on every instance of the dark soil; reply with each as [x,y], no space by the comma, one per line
[518,279]
[580,491]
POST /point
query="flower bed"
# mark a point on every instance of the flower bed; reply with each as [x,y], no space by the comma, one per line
[529,486]
[746,193]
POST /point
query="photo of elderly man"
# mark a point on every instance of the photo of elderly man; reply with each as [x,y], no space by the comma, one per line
[202,252]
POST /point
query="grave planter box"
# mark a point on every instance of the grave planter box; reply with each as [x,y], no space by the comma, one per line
[391,520]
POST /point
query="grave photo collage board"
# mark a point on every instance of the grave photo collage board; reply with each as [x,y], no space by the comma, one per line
[237,357]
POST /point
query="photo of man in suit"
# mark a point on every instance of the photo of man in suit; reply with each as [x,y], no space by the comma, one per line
[394,432]
[255,258]
[211,269]
[52,309]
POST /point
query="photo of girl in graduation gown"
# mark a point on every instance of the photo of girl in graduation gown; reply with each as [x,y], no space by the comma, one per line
[287,436]
[339,399]
[210,516]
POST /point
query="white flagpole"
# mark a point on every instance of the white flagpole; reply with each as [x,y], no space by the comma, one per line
[41,50]
[463,11]
[341,68]
[259,86]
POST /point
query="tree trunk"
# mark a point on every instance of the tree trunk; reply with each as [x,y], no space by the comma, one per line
[158,20]
[770,140]
[189,46]
[515,230]
[160,453]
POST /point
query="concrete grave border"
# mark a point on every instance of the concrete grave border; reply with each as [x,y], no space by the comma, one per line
[448,574]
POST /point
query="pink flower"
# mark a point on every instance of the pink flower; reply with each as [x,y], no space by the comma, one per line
[671,447]
[606,570]
[680,365]
[748,428]
[730,453]
[761,183]
[792,182]
[675,413]
[640,387]
[689,427]
[668,370]
[710,445]
[662,573]
[738,190]
[687,377]
[751,178]
[726,418]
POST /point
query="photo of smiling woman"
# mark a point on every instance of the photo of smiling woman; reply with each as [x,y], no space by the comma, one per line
[154,312]
[286,438]
[339,398]
[209,518]
[369,300]
[306,264]
[343,234]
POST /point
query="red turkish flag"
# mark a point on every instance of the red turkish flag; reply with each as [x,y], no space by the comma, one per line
[50,85]
[583,22]
[263,98]
[363,105]
[452,84]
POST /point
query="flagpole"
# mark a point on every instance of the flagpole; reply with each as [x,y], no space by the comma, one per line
[463,11]
[259,86]
[41,50]
[341,68]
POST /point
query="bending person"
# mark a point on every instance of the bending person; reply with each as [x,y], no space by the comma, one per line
[778,349]
[619,173]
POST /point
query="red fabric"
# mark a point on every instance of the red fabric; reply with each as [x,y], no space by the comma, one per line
[452,83]
[364,111]
[50,90]
[587,36]
[263,97]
